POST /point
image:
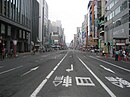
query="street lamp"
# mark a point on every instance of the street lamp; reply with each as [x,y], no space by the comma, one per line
[111,46]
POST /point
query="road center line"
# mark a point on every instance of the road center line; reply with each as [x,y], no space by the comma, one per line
[37,90]
[110,64]
[103,85]
[10,70]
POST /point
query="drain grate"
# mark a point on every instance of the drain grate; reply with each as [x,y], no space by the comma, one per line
[84,81]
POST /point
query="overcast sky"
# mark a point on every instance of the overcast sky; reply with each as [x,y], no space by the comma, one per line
[70,12]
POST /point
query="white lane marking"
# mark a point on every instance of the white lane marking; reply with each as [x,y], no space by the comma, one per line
[103,85]
[37,90]
[111,64]
[107,69]
[33,69]
[71,69]
[10,70]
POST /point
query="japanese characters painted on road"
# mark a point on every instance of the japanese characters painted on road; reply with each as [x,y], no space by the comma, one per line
[65,81]
[120,82]
[58,80]
[84,81]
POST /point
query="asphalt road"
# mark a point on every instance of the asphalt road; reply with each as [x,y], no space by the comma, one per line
[67,73]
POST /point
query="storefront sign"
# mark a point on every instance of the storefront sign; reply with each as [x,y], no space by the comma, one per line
[120,43]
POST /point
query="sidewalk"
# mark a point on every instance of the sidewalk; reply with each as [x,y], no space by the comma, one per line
[113,58]
[17,56]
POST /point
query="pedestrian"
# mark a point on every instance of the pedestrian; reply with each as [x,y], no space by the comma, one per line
[124,55]
[3,53]
[33,50]
[116,55]
[11,53]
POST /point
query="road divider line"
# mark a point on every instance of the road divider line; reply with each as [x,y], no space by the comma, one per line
[37,90]
[10,70]
[110,64]
[102,84]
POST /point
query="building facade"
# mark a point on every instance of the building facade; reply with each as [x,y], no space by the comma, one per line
[57,36]
[117,26]
[92,23]
[101,21]
[79,38]
[35,23]
[15,23]
[45,35]
[84,31]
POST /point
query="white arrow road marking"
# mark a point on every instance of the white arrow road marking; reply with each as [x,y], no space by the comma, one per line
[110,64]
[10,70]
[102,84]
[107,69]
[33,69]
[71,69]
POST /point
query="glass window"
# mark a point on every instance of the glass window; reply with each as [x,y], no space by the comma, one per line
[112,4]
[113,13]
[125,18]
[9,31]
[116,1]
[26,35]
[20,33]
[23,34]
[2,29]
[108,8]
[117,10]
[124,5]
[0,6]
[111,16]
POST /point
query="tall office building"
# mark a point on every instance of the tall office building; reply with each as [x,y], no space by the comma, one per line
[117,26]
[15,23]
[92,22]
[35,24]
[45,37]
